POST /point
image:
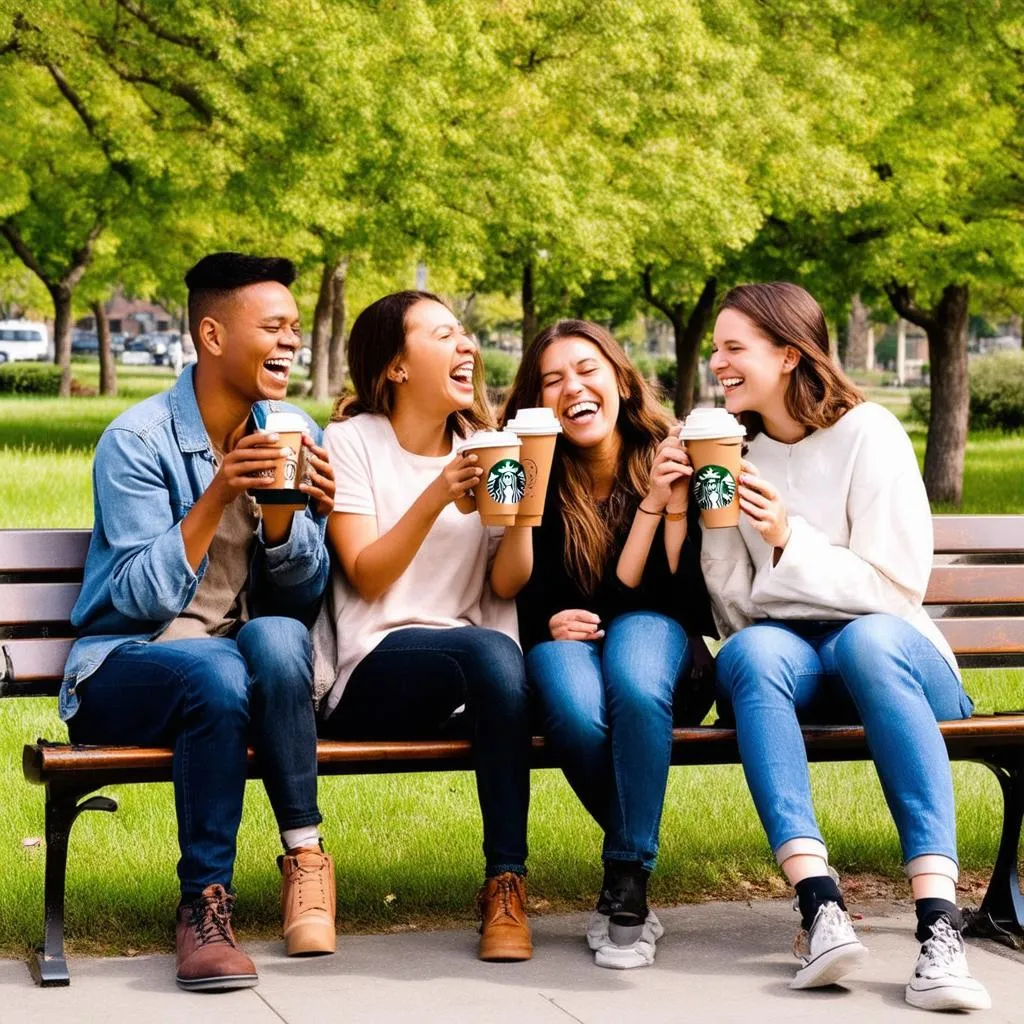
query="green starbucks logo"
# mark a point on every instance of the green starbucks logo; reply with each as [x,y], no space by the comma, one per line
[506,482]
[714,487]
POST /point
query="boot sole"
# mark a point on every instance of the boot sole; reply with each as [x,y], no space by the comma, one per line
[313,939]
[218,984]
[830,966]
[506,954]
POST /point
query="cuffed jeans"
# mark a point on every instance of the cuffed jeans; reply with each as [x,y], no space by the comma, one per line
[409,687]
[608,716]
[208,698]
[878,670]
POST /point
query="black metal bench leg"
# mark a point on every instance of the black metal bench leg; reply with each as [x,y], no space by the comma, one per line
[1001,914]
[48,967]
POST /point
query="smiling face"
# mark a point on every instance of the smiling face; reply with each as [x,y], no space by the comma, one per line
[753,370]
[436,368]
[579,384]
[252,336]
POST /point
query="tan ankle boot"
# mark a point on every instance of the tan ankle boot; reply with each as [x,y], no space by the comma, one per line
[504,930]
[307,902]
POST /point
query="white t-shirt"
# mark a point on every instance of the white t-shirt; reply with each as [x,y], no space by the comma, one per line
[444,586]
[862,532]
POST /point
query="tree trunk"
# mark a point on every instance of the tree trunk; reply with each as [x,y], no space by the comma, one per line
[61,295]
[950,400]
[529,306]
[336,348]
[858,327]
[688,337]
[319,370]
[108,371]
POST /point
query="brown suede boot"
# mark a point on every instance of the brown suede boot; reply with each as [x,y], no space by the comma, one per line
[504,930]
[208,956]
[307,902]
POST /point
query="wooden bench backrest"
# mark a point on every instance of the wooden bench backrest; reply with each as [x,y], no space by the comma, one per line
[976,593]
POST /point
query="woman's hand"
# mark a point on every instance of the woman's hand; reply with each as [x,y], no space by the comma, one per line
[760,501]
[575,624]
[318,481]
[670,477]
[456,479]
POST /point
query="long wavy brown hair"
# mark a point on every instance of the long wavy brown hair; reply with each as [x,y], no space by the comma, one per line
[818,393]
[642,424]
[376,342]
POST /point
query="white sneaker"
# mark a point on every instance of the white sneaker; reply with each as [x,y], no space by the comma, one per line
[829,951]
[941,978]
[639,953]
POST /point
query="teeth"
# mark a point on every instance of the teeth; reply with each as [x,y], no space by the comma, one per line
[463,374]
[580,407]
[728,382]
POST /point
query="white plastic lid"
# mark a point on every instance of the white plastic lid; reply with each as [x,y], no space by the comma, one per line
[285,423]
[705,424]
[488,439]
[528,422]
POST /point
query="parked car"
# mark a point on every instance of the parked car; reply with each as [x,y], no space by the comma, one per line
[156,346]
[23,340]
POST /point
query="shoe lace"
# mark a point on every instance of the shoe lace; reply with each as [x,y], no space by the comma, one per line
[210,918]
[831,924]
[943,948]
[311,893]
[505,889]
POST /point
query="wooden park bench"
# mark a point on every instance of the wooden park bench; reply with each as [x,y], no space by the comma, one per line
[976,592]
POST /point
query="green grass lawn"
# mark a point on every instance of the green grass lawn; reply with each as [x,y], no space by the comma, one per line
[408,847]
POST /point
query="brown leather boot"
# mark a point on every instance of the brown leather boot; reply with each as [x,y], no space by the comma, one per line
[307,902]
[208,956]
[504,930]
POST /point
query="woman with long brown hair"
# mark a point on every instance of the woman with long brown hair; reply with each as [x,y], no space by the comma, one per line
[426,632]
[604,618]
[822,584]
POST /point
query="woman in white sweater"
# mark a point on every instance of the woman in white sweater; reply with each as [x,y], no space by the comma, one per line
[822,585]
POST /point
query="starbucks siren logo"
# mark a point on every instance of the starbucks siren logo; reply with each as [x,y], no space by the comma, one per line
[714,487]
[506,482]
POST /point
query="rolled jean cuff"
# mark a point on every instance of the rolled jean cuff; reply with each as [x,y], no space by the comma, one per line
[932,864]
[803,845]
[493,870]
[300,821]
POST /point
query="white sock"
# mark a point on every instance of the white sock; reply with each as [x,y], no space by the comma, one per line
[293,838]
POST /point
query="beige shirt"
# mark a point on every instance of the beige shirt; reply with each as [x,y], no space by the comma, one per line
[444,586]
[862,532]
[218,606]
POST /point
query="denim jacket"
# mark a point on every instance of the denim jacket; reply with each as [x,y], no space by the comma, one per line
[152,464]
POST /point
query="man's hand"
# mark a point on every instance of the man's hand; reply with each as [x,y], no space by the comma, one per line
[575,624]
[318,478]
[249,465]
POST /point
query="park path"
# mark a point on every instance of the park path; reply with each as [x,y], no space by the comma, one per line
[720,962]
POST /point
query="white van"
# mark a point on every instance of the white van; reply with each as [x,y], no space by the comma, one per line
[22,340]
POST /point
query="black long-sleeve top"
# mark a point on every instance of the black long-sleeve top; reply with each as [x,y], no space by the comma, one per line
[680,595]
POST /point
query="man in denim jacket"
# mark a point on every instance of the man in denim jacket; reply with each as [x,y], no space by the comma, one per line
[194,610]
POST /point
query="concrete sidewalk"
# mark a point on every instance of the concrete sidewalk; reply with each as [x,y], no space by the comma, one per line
[722,962]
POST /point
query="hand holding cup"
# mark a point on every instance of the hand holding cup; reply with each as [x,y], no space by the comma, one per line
[759,501]
[670,476]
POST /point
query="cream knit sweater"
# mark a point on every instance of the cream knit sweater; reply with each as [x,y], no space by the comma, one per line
[861,537]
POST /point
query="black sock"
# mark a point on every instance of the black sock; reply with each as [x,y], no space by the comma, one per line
[813,892]
[929,910]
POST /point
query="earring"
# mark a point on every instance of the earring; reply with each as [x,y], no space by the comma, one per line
[403,378]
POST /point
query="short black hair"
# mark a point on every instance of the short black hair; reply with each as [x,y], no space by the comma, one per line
[222,272]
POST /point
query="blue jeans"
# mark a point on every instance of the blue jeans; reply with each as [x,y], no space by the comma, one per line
[410,685]
[878,670]
[608,716]
[208,698]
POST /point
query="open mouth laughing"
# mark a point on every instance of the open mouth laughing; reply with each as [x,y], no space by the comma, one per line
[278,367]
[581,412]
[463,374]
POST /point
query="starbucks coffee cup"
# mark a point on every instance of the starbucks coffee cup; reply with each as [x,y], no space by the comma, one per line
[714,443]
[538,430]
[285,493]
[501,487]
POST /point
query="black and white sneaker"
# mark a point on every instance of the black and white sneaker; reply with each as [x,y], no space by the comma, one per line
[941,978]
[829,951]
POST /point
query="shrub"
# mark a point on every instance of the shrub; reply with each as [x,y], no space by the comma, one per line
[920,405]
[997,391]
[29,379]
[499,367]
[667,373]
[644,367]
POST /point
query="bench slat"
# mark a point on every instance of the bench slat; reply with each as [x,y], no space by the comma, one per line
[37,602]
[976,584]
[701,745]
[43,550]
[978,534]
[984,636]
[38,660]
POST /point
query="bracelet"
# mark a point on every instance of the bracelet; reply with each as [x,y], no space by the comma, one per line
[674,517]
[648,512]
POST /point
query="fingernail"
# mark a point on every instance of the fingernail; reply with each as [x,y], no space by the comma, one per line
[272,437]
